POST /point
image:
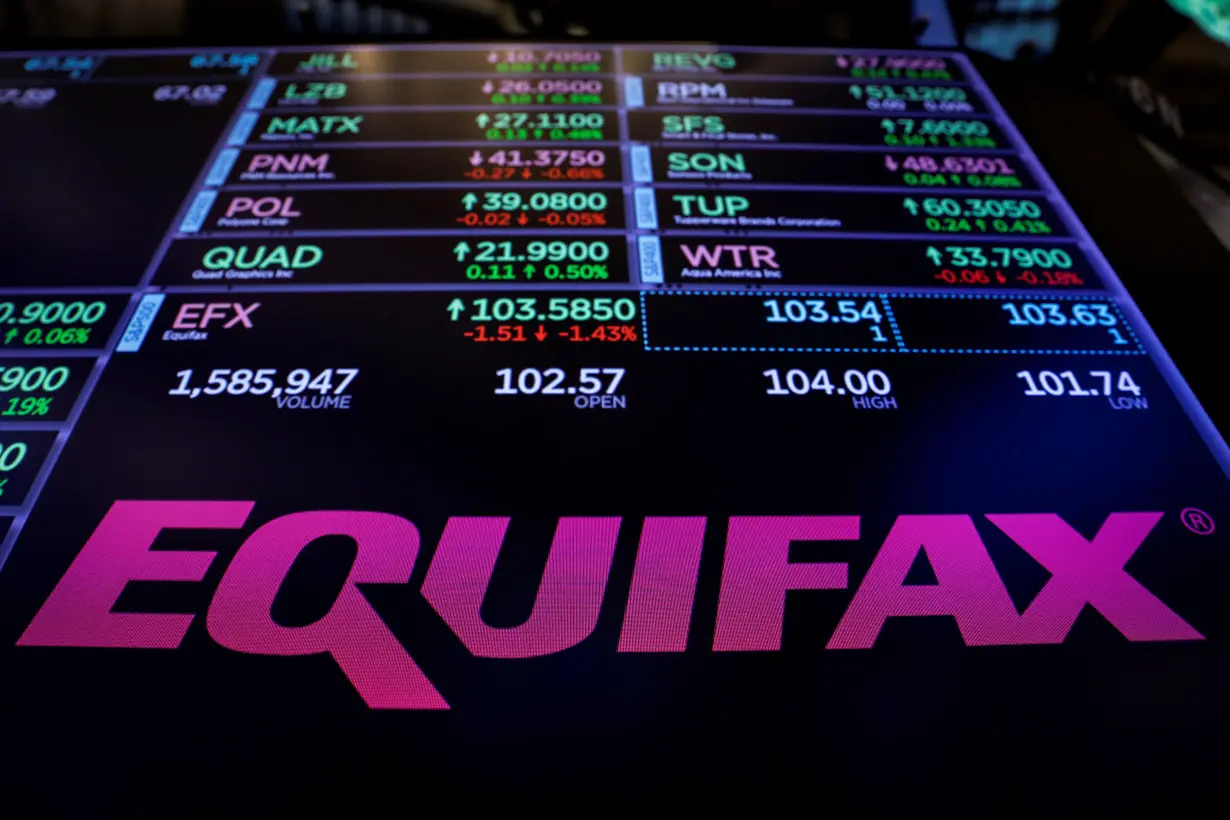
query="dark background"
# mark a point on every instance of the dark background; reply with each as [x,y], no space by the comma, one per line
[918,725]
[919,720]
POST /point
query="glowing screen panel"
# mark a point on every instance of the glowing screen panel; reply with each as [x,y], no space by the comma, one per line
[551,416]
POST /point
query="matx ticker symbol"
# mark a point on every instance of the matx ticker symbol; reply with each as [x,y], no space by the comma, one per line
[1198,521]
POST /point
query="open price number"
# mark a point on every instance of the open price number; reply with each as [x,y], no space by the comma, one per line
[551,382]
[1067,384]
[800,383]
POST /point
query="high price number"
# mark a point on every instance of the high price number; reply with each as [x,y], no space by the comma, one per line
[853,382]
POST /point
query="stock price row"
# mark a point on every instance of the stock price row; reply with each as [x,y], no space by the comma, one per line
[760,321]
[37,322]
[603,125]
[341,164]
[341,209]
[348,362]
[359,92]
[591,259]
[677,320]
[567,60]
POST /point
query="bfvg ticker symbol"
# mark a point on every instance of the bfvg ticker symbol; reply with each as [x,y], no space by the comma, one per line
[1198,521]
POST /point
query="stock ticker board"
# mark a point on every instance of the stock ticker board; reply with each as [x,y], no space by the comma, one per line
[622,407]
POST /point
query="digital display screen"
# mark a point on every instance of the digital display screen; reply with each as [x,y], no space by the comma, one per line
[556,417]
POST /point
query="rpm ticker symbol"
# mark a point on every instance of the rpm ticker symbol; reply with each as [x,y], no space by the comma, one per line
[1198,521]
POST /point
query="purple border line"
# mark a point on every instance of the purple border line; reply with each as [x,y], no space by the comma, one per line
[653,143]
[803,79]
[498,108]
[484,46]
[100,290]
[281,145]
[670,289]
[480,233]
[625,170]
[214,236]
[21,514]
[505,108]
[1147,338]
[292,186]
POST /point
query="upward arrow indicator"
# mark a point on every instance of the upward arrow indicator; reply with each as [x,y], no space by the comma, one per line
[468,201]
[462,250]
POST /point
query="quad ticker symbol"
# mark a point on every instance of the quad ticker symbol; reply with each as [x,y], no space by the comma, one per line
[1198,521]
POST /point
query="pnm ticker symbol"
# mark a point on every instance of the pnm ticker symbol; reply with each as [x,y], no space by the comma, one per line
[1198,521]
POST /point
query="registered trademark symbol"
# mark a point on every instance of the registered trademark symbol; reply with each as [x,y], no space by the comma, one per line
[1198,521]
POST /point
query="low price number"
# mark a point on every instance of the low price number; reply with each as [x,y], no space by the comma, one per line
[1049,383]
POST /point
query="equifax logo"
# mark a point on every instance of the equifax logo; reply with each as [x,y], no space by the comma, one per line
[756,577]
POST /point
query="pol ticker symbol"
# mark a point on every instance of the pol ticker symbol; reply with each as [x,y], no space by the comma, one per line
[1198,521]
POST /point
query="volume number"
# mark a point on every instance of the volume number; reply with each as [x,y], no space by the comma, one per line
[261,382]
